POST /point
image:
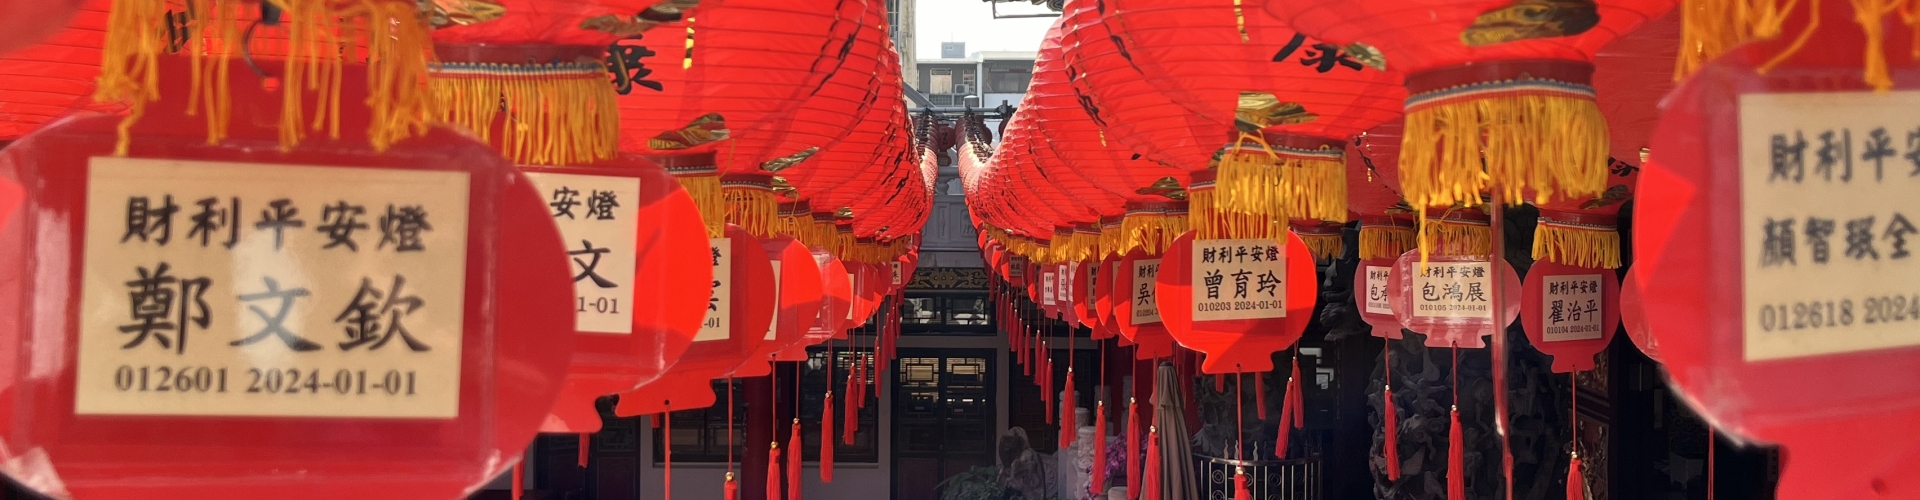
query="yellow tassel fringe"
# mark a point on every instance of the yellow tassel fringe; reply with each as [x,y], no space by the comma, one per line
[753,208]
[1454,238]
[1709,28]
[1386,242]
[1551,144]
[704,187]
[321,39]
[1324,247]
[1579,246]
[562,114]
[1151,232]
[1113,239]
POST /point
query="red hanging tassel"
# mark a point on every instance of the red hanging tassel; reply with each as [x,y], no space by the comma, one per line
[731,491]
[1046,387]
[519,481]
[1299,399]
[1219,383]
[586,448]
[1285,430]
[851,418]
[773,471]
[666,444]
[1391,422]
[1133,449]
[1151,483]
[1069,426]
[795,465]
[826,439]
[1456,460]
[1576,482]
[1260,395]
[1240,491]
[1097,485]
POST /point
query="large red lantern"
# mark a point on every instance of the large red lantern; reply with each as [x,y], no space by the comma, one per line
[29,22]
[1287,104]
[50,80]
[625,228]
[1570,303]
[836,305]
[443,378]
[1507,84]
[797,300]
[734,326]
[1779,287]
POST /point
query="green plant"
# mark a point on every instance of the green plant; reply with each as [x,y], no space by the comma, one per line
[978,483]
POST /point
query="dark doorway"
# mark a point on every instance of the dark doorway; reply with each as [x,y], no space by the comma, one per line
[943,422]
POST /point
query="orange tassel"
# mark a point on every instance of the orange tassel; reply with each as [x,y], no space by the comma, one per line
[1456,460]
[773,471]
[1097,485]
[1240,491]
[1260,395]
[794,466]
[586,448]
[731,491]
[1133,449]
[1152,471]
[1391,423]
[1577,483]
[1068,424]
[826,439]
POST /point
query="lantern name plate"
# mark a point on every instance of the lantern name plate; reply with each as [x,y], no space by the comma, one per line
[1239,279]
[266,290]
[1377,295]
[1572,307]
[718,323]
[1146,304]
[598,220]
[1453,290]
[1827,183]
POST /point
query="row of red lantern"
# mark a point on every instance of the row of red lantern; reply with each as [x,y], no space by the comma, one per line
[664,326]
[1279,110]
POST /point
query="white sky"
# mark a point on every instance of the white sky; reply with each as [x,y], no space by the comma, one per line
[972,21]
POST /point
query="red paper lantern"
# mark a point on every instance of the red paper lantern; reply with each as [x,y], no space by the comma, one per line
[1251,327]
[798,300]
[480,389]
[836,304]
[666,230]
[745,273]
[55,78]
[1721,239]
[25,23]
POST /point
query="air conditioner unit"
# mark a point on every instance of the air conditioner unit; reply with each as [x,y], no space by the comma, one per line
[962,89]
